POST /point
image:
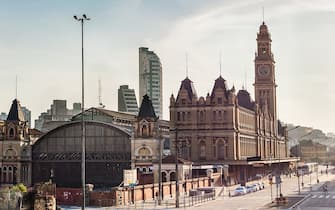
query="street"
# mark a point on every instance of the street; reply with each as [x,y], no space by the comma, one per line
[320,200]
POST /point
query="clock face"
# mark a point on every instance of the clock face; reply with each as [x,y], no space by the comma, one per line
[264,70]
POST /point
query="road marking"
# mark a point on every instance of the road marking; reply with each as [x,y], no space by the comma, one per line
[321,196]
[333,197]
[314,196]
[327,196]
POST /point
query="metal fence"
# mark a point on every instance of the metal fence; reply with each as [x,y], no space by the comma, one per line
[193,200]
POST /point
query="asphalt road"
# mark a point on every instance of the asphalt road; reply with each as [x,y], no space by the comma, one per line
[320,200]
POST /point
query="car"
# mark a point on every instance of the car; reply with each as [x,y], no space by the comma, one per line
[250,189]
[261,185]
[256,187]
[240,191]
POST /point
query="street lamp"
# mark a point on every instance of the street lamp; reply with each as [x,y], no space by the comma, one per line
[83,155]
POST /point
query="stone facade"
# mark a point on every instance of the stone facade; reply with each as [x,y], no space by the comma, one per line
[149,134]
[230,128]
[15,148]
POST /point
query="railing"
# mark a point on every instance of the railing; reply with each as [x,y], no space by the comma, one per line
[193,200]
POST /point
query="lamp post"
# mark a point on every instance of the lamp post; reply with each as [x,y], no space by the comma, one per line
[298,153]
[83,155]
[159,137]
[177,169]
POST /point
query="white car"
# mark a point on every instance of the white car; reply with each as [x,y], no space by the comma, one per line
[240,191]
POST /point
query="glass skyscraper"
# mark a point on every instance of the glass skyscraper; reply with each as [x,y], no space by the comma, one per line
[150,79]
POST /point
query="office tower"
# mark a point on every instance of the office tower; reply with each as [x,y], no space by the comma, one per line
[150,79]
[127,100]
[27,115]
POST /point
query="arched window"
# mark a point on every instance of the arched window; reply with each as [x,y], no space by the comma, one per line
[166,143]
[220,115]
[144,130]
[4,174]
[164,178]
[11,132]
[144,153]
[172,176]
[202,148]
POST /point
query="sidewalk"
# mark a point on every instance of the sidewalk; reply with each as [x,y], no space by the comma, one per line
[289,189]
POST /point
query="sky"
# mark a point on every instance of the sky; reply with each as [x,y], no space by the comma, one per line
[40,43]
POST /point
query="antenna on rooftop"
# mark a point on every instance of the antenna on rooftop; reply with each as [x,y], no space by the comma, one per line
[186,60]
[101,105]
[16,87]
[220,61]
[263,14]
[245,80]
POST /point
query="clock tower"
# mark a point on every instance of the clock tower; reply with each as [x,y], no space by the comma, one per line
[265,84]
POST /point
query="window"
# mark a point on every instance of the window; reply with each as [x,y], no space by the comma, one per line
[189,116]
[202,148]
[220,115]
[144,130]
[214,115]
[201,116]
[11,132]
[178,116]
[219,100]
[221,149]
[144,152]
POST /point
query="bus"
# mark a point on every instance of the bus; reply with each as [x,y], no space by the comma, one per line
[307,168]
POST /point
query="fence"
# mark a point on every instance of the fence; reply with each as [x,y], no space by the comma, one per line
[193,200]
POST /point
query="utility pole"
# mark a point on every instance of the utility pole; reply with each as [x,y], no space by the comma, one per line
[83,143]
[177,169]
[159,164]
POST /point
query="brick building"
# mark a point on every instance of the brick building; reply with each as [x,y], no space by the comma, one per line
[229,128]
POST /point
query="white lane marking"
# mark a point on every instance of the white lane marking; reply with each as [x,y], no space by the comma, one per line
[333,197]
[327,196]
[321,196]
[314,196]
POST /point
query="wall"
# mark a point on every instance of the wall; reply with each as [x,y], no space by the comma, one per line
[148,192]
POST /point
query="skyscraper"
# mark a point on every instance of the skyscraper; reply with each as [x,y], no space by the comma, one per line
[150,79]
[127,100]
[27,115]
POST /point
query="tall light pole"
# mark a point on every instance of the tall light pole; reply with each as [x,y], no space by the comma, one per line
[83,143]
[177,168]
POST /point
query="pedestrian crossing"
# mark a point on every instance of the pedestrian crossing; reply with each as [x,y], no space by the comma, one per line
[323,196]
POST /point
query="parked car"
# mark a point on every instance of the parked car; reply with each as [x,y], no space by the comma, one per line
[256,187]
[261,185]
[240,191]
[250,189]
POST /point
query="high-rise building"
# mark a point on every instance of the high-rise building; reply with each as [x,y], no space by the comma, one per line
[3,116]
[56,115]
[27,115]
[127,100]
[150,79]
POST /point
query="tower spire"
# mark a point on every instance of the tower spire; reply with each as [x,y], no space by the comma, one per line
[186,60]
[220,62]
[16,86]
[263,13]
